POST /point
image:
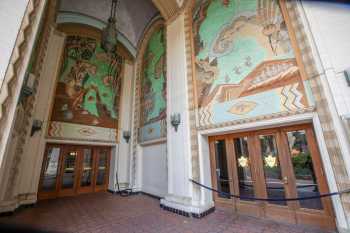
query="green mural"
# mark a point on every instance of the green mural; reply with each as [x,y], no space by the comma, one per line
[244,59]
[88,88]
[153,97]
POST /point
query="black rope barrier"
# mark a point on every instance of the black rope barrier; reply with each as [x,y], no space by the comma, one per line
[270,199]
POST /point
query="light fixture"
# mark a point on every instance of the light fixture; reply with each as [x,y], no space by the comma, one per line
[243,161]
[175,120]
[270,161]
[36,126]
[126,136]
[109,33]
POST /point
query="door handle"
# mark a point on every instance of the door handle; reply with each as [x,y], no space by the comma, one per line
[285,180]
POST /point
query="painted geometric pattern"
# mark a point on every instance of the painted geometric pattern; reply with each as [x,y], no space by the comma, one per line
[245,64]
[69,131]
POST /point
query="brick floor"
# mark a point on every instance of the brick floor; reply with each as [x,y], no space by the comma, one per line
[104,213]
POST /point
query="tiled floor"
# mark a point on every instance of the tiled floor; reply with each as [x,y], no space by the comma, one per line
[104,212]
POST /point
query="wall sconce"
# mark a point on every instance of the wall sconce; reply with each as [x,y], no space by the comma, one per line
[347,76]
[36,126]
[175,120]
[28,86]
[126,136]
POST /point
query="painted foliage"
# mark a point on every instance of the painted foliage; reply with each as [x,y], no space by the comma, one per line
[88,88]
[245,63]
[153,91]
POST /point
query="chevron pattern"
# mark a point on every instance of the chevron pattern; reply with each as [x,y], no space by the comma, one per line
[205,116]
[291,98]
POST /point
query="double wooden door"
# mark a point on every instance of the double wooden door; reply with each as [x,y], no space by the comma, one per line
[276,163]
[70,170]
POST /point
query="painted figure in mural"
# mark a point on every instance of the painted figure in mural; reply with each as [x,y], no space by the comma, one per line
[89,85]
[153,94]
[244,60]
[153,81]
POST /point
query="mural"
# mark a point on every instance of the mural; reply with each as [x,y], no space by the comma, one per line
[153,91]
[88,89]
[245,64]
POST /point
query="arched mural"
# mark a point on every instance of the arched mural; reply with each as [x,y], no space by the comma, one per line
[86,104]
[245,63]
[153,87]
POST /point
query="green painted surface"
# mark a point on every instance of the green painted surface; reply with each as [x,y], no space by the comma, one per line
[244,44]
[88,90]
[154,80]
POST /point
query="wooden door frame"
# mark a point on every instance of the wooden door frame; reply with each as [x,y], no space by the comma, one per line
[72,191]
[53,194]
[227,202]
[87,189]
[292,212]
[76,190]
[103,187]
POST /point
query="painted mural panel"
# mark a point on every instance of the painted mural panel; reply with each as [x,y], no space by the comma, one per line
[88,89]
[245,63]
[153,91]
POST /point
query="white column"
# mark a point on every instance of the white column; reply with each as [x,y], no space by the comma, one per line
[180,194]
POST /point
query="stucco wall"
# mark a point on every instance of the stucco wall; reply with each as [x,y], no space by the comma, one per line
[13,12]
[154,170]
[331,32]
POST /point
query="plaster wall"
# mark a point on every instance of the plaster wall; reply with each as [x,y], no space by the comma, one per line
[13,13]
[179,161]
[154,170]
[331,34]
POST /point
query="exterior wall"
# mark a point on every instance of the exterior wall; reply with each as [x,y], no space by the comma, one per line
[331,36]
[154,170]
[13,13]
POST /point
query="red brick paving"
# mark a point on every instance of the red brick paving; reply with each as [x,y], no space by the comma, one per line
[104,213]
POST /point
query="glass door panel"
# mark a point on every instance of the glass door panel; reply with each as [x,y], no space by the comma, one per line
[300,155]
[272,168]
[69,168]
[243,161]
[49,179]
[87,168]
[102,166]
[222,175]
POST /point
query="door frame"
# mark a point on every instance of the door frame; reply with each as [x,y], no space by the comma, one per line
[76,190]
[292,212]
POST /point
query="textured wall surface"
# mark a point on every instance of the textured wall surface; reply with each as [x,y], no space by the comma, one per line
[153,90]
[13,13]
[331,35]
[245,62]
[154,170]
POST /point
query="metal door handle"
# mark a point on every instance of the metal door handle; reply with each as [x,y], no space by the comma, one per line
[285,180]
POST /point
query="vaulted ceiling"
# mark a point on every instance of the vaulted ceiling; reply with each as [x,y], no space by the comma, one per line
[132,15]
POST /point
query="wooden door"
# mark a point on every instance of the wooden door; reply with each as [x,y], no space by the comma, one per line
[102,155]
[69,171]
[49,179]
[221,168]
[308,177]
[276,163]
[86,169]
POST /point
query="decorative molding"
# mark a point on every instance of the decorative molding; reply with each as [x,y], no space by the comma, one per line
[167,8]
[259,118]
[40,45]
[137,92]
[321,102]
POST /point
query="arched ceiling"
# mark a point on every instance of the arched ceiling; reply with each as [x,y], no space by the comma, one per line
[132,15]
